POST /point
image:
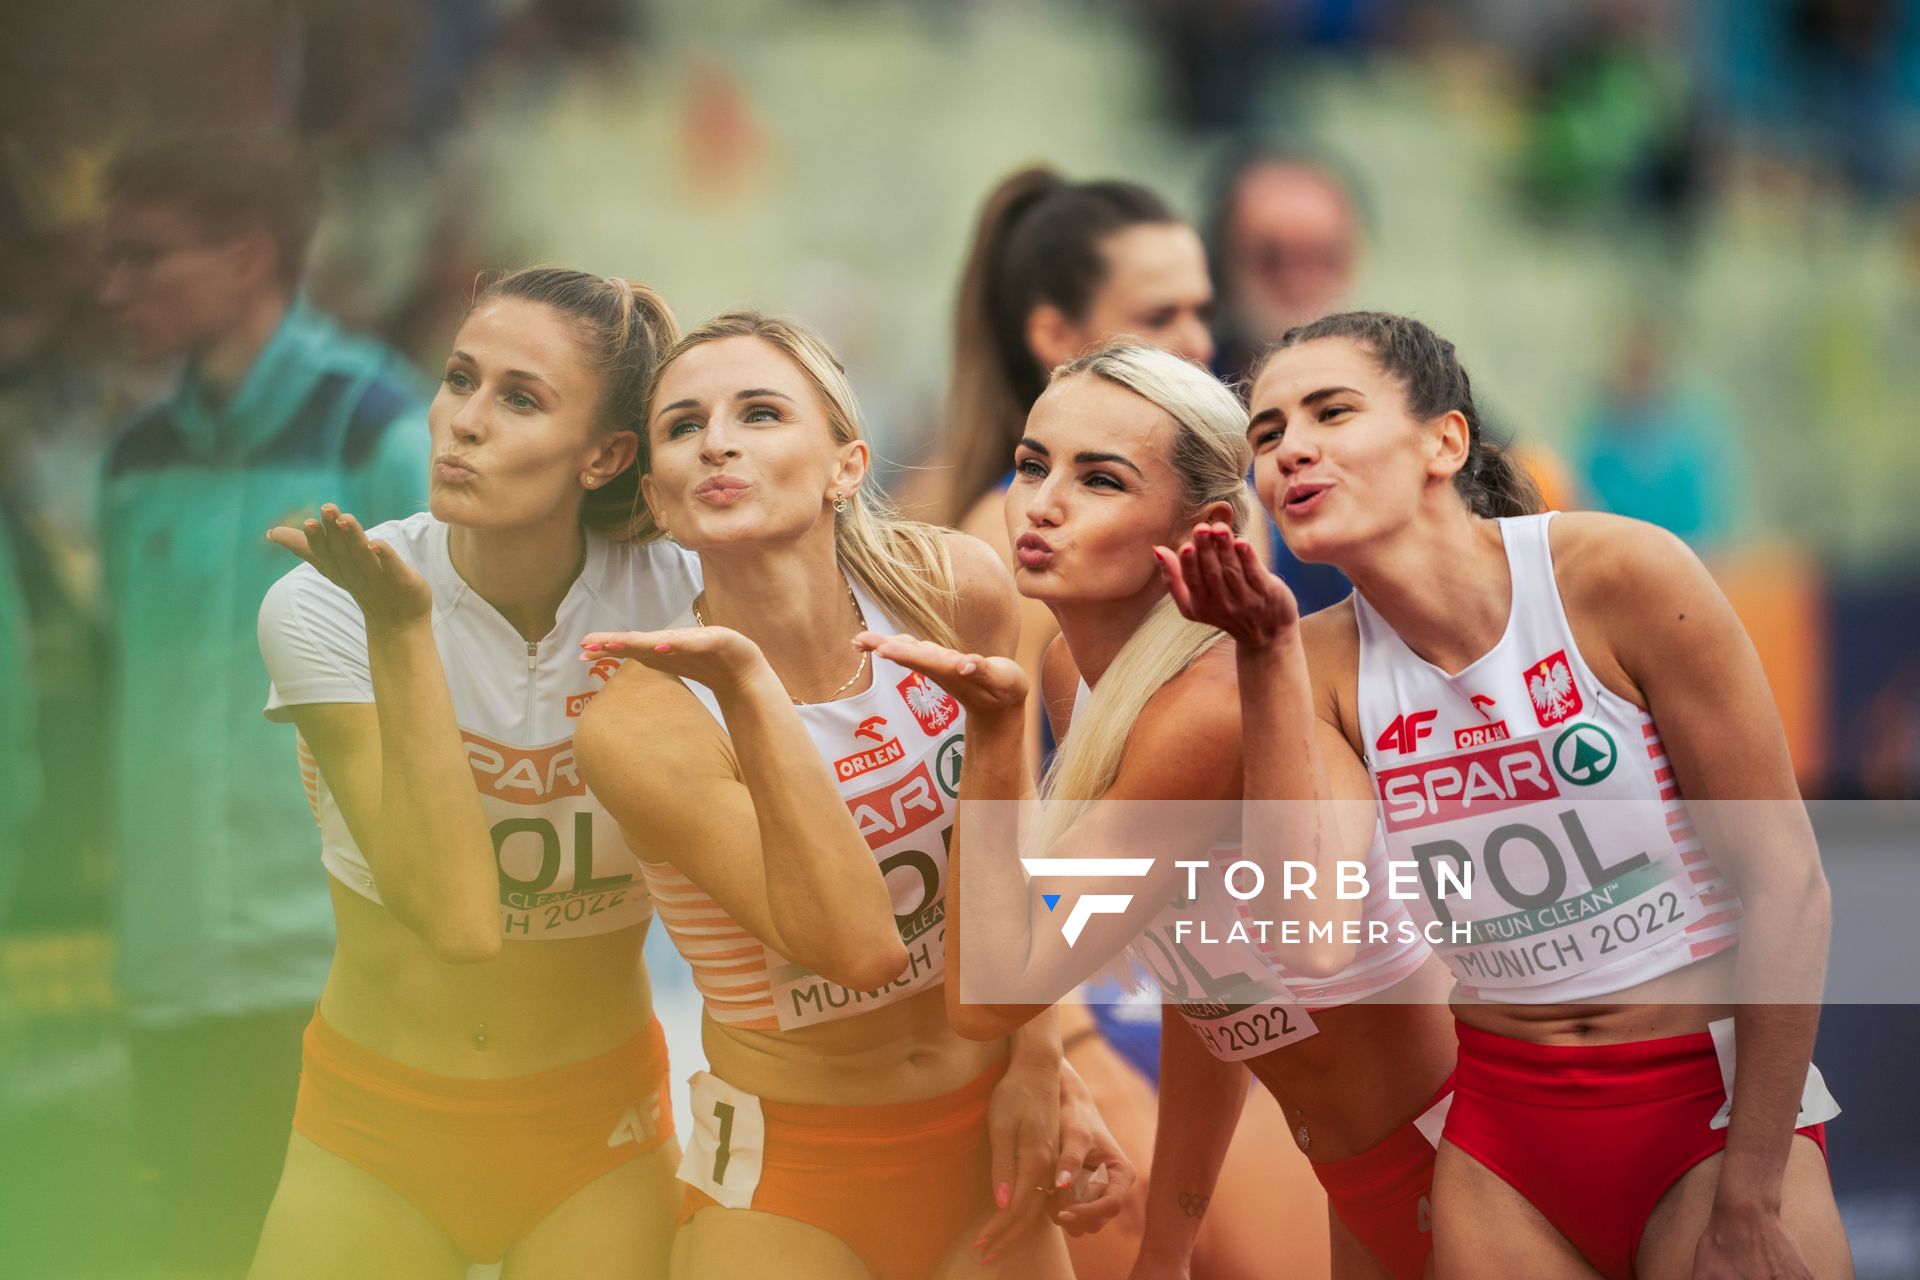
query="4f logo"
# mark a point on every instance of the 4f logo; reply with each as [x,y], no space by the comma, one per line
[1405,733]
[1555,696]
[1088,905]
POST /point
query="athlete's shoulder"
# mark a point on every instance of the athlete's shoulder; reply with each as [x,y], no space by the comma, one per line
[658,570]
[411,537]
[1185,743]
[1598,557]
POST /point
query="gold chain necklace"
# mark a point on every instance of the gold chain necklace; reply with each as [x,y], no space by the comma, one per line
[858,612]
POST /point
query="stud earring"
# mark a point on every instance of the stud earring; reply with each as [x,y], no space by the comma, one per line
[589,481]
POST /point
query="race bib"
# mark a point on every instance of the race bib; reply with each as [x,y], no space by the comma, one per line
[1209,966]
[1549,895]
[728,1143]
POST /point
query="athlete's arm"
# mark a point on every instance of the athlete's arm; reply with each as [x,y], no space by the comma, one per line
[1677,642]
[399,769]
[781,856]
[1293,756]
[1201,1099]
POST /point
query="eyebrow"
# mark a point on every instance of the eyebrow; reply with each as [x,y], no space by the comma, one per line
[1086,457]
[525,374]
[751,393]
[1315,397]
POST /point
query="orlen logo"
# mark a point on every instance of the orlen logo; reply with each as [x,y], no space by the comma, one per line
[1405,733]
[871,728]
[523,775]
[1093,904]
[602,671]
[1480,735]
[931,705]
[847,768]
[887,813]
[1469,785]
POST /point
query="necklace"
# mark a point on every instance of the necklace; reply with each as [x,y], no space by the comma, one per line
[701,618]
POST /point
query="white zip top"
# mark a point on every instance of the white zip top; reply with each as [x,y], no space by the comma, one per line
[1586,875]
[565,870]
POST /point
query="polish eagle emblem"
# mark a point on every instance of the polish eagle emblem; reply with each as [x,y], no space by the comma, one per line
[1550,684]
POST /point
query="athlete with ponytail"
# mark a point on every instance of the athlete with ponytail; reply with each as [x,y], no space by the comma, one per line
[484,1077]
[1126,447]
[791,798]
[1585,682]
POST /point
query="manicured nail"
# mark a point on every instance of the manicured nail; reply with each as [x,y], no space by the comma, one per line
[659,648]
[990,1259]
[980,1243]
[1003,1195]
[1064,1177]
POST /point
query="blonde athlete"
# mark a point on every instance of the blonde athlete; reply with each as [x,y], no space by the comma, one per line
[1126,448]
[484,1077]
[791,799]
[1537,699]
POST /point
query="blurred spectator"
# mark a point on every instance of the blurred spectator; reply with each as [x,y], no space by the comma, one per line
[1658,449]
[1610,122]
[1285,248]
[223,929]
[1284,243]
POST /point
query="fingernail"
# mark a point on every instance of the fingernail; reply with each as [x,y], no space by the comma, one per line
[990,1259]
[1003,1195]
[1063,1216]
[980,1243]
[1063,1178]
[659,648]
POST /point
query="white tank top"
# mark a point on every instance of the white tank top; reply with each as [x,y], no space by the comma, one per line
[1226,980]
[1586,876]
[565,870]
[895,752]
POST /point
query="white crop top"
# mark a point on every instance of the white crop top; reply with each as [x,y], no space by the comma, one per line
[1586,875]
[565,869]
[895,751]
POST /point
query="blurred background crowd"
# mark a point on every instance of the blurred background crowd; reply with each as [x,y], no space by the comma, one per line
[1677,243]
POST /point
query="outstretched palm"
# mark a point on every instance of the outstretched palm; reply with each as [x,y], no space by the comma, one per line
[390,594]
[1217,579]
[985,686]
[718,657]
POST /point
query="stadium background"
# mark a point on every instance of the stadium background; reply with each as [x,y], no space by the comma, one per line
[1721,192]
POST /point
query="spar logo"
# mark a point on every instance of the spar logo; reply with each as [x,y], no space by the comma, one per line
[523,775]
[1467,785]
[1555,696]
[898,809]
[1089,905]
[1585,754]
[603,671]
[931,705]
[947,762]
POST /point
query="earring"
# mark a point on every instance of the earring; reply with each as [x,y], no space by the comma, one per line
[668,535]
[589,481]
[839,503]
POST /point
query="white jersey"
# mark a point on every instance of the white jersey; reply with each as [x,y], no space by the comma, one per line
[895,752]
[565,869]
[1586,876]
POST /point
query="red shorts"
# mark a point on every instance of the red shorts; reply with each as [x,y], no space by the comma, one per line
[898,1183]
[483,1160]
[1592,1135]
[1384,1195]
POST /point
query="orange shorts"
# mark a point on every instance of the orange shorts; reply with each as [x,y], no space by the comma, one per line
[483,1160]
[899,1183]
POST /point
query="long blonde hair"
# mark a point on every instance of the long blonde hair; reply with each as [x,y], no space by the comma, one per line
[1211,456]
[903,564]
